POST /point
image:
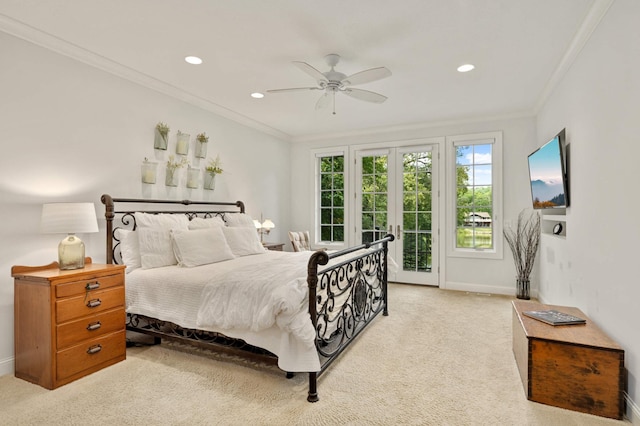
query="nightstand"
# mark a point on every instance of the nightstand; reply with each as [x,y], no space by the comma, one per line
[68,324]
[274,246]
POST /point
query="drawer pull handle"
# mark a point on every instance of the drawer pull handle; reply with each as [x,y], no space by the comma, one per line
[94,349]
[94,326]
[92,286]
[94,303]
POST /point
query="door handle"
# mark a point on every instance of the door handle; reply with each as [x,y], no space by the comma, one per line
[398,233]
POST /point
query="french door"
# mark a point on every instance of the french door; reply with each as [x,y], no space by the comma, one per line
[397,192]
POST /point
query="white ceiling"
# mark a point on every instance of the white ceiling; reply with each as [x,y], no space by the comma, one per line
[518,47]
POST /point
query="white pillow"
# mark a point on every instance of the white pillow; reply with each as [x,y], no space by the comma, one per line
[200,246]
[129,249]
[210,222]
[155,240]
[243,241]
[239,219]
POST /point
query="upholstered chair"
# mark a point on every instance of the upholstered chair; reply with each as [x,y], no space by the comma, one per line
[300,240]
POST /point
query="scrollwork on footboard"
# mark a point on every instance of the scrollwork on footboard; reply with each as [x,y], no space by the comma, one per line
[344,298]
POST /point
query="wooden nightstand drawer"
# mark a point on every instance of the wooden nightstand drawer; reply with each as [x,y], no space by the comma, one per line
[92,283]
[90,304]
[71,333]
[90,354]
[60,316]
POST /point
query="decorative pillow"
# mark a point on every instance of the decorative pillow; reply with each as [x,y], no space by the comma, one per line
[200,246]
[243,241]
[155,240]
[129,249]
[210,222]
[239,220]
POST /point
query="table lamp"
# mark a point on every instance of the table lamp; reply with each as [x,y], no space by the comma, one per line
[69,218]
[263,227]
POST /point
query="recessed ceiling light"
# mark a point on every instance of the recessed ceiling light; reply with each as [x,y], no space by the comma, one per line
[193,60]
[257,95]
[465,68]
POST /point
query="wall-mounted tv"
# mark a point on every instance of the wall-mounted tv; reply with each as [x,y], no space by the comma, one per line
[548,174]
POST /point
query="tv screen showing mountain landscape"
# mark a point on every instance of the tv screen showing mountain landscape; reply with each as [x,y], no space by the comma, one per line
[546,173]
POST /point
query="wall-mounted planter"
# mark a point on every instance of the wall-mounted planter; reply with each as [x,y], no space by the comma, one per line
[161,136]
[193,177]
[209,181]
[172,177]
[148,171]
[182,144]
[201,149]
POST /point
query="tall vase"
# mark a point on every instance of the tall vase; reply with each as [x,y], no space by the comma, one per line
[522,289]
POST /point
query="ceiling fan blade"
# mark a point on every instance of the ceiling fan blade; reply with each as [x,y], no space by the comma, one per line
[323,101]
[365,95]
[317,75]
[366,76]
[293,89]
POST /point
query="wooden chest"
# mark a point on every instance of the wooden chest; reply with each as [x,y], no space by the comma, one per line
[577,367]
[68,324]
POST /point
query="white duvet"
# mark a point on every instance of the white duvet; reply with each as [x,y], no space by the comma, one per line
[259,296]
[175,294]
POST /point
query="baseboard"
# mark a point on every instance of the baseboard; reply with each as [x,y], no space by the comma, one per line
[484,289]
[633,410]
[7,366]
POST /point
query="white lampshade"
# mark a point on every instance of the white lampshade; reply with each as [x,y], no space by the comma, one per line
[256,223]
[267,224]
[68,218]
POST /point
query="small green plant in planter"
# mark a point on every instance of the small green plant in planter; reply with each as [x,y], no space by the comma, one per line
[161,138]
[201,145]
[213,168]
[171,178]
[523,242]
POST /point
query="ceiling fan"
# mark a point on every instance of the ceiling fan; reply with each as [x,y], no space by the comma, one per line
[332,82]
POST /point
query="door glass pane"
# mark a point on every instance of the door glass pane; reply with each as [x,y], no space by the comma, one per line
[416,214]
[374,197]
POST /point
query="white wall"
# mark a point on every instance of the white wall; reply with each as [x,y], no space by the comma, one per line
[70,132]
[481,275]
[596,267]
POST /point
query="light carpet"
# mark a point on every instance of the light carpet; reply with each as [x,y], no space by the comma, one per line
[439,358]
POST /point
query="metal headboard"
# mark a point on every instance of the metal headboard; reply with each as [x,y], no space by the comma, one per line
[127,219]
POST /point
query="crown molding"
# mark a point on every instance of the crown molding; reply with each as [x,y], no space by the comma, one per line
[48,41]
[589,24]
[376,131]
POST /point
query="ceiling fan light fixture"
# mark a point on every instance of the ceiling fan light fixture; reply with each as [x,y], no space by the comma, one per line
[466,68]
[257,95]
[193,60]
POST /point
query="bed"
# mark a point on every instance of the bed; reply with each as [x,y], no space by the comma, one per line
[299,311]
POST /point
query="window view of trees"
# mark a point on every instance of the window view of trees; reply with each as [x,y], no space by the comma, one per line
[374,198]
[474,198]
[332,198]
[416,212]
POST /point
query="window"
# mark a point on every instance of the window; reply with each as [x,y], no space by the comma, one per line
[476,196]
[331,185]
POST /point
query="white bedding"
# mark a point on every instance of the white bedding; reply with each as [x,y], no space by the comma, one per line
[273,282]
